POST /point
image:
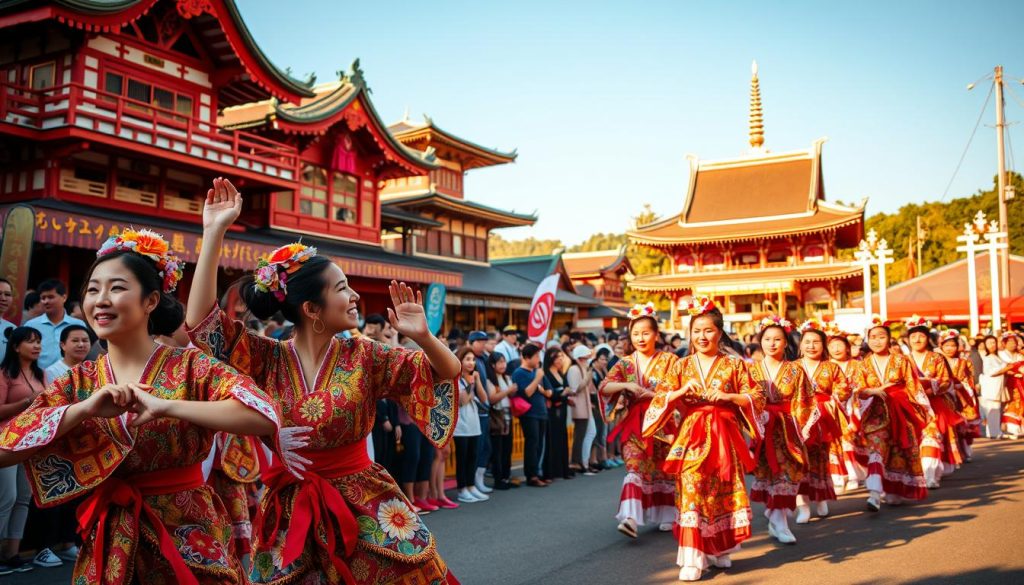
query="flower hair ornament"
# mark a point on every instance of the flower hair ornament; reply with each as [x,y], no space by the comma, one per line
[1007,335]
[151,245]
[876,321]
[949,335]
[272,270]
[832,330]
[699,306]
[775,321]
[639,311]
[917,321]
[811,324]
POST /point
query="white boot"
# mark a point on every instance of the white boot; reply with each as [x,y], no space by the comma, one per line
[480,486]
[666,526]
[778,527]
[803,510]
[721,561]
[874,501]
[822,509]
[689,574]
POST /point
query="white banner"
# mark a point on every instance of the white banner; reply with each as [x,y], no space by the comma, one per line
[542,309]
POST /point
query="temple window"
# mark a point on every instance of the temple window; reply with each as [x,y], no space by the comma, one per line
[713,261]
[814,253]
[42,76]
[747,258]
[778,256]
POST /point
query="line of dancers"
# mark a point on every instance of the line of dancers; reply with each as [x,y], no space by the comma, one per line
[804,429]
[128,434]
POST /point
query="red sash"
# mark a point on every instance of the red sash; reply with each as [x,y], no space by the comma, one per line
[945,417]
[779,414]
[633,425]
[316,499]
[725,430]
[829,429]
[905,422]
[128,493]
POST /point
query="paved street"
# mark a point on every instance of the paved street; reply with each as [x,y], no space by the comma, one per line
[969,532]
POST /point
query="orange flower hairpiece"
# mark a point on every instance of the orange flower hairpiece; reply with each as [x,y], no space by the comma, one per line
[272,270]
[811,324]
[639,311]
[151,245]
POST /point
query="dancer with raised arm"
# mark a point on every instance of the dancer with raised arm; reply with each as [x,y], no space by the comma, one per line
[130,431]
[709,455]
[345,520]
[648,494]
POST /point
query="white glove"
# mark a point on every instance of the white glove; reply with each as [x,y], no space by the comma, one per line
[290,440]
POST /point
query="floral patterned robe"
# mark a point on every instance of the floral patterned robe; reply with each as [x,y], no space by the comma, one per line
[648,493]
[709,455]
[852,468]
[966,392]
[102,454]
[235,473]
[386,542]
[824,430]
[890,429]
[939,446]
[781,454]
[1013,411]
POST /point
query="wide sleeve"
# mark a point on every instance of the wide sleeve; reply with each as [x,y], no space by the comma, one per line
[914,388]
[744,384]
[406,377]
[840,385]
[660,411]
[80,460]
[231,342]
[617,375]
[802,403]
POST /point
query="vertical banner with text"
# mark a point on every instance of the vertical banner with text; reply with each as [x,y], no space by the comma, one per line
[434,307]
[542,309]
[16,255]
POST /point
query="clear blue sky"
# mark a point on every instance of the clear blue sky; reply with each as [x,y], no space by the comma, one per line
[605,99]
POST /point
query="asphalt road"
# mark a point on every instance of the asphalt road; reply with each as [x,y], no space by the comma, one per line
[969,531]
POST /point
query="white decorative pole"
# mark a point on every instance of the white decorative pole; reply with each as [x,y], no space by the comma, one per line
[992,244]
[970,240]
[883,256]
[865,258]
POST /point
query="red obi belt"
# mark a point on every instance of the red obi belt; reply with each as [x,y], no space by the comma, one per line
[780,427]
[725,435]
[632,424]
[315,500]
[827,428]
[128,493]
[906,422]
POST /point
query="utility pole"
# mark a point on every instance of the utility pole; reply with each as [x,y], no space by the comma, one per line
[919,238]
[1004,255]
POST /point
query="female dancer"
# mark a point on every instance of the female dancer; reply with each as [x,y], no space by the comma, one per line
[131,430]
[648,494]
[940,453]
[1013,410]
[709,455]
[847,471]
[891,411]
[964,388]
[824,430]
[781,455]
[345,519]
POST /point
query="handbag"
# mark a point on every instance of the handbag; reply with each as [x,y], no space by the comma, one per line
[496,424]
[520,405]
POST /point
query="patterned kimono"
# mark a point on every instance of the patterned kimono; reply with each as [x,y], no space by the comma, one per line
[709,455]
[940,451]
[1013,411]
[236,471]
[149,516]
[347,520]
[890,429]
[967,403]
[850,466]
[648,493]
[824,430]
[781,455]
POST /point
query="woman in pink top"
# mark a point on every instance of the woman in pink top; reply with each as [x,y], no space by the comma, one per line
[20,380]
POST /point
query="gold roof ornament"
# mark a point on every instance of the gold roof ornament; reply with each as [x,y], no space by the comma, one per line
[756,115]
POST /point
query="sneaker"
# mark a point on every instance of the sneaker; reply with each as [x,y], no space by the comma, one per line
[480,496]
[5,569]
[18,565]
[69,554]
[46,558]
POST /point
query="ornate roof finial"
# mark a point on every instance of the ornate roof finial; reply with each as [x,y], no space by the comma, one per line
[756,116]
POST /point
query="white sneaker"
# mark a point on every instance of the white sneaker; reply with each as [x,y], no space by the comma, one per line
[689,574]
[803,514]
[69,554]
[822,509]
[46,558]
[480,487]
[466,497]
[721,561]
[665,526]
[932,485]
[478,494]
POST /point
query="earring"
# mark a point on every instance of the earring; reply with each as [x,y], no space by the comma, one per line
[316,321]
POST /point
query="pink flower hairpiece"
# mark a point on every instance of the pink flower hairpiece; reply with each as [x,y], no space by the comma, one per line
[699,305]
[639,311]
[272,271]
[811,324]
[775,321]
[151,245]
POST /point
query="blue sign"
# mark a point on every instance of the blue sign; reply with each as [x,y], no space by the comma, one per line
[434,306]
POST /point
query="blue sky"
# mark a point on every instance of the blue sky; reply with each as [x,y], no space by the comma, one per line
[604,100]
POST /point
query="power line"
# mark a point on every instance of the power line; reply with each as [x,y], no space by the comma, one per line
[969,140]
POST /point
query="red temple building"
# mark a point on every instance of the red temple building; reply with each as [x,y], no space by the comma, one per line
[757,234]
[602,275]
[114,115]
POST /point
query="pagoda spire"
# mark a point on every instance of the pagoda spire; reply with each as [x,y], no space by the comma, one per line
[756,115]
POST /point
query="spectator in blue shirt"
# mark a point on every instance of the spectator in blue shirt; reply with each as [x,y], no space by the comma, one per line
[478,345]
[528,379]
[52,294]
